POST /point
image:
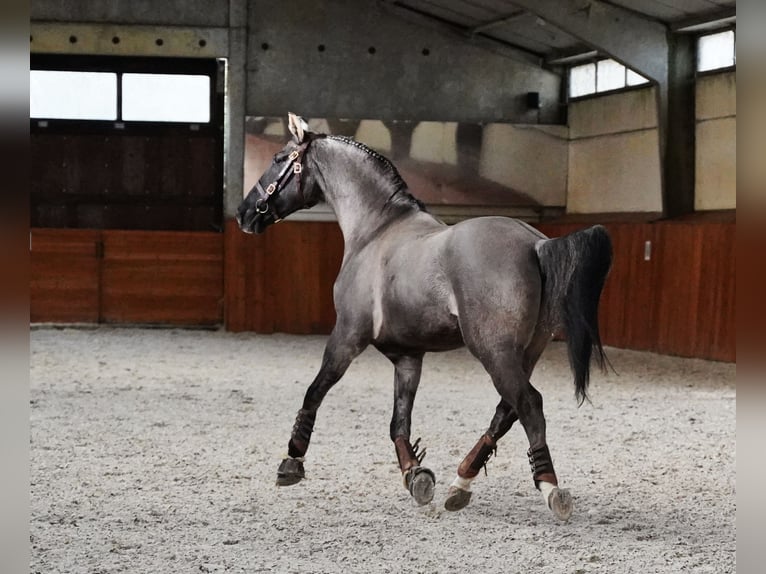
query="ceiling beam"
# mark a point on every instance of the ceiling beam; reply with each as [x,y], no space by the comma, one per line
[571,56]
[480,39]
[497,22]
[718,19]
[637,42]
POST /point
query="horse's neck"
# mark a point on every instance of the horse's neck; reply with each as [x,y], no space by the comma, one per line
[357,192]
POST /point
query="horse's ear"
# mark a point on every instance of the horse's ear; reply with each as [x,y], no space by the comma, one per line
[298,127]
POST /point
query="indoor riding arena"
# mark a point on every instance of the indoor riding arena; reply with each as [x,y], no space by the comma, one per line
[178,360]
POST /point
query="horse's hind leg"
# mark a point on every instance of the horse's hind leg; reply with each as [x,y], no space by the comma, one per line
[511,380]
[459,494]
[510,370]
[418,480]
[338,355]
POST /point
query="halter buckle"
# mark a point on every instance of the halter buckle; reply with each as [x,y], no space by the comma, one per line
[294,155]
[271,188]
[297,168]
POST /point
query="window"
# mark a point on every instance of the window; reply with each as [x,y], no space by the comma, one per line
[119,90]
[582,80]
[634,79]
[602,76]
[715,51]
[610,75]
[165,98]
[72,95]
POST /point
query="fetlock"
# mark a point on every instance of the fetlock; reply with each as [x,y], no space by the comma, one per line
[477,458]
[301,435]
[541,465]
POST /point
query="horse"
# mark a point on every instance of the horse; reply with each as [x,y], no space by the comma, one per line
[410,284]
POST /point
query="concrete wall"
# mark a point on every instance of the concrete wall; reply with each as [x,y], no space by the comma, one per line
[614,162]
[716,163]
[531,159]
[151,12]
[455,81]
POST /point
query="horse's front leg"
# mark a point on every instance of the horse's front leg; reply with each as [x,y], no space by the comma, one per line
[338,354]
[418,479]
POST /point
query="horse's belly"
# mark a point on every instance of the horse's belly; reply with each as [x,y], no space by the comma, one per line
[418,329]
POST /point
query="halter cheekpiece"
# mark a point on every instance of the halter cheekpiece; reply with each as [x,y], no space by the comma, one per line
[292,167]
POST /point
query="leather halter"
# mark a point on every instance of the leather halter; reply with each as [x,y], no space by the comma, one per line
[293,167]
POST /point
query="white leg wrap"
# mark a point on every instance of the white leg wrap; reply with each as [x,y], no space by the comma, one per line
[545,489]
[462,483]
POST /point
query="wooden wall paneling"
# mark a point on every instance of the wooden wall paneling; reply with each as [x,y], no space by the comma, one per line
[46,165]
[296,290]
[237,265]
[248,305]
[114,180]
[135,155]
[680,267]
[630,293]
[281,271]
[64,275]
[716,324]
[282,280]
[201,156]
[260,316]
[162,277]
[695,316]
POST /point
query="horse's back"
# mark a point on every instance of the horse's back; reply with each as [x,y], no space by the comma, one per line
[502,247]
[499,230]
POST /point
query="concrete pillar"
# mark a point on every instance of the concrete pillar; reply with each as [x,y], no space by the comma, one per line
[236,93]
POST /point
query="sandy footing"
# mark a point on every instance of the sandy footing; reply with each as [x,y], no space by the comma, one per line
[155,451]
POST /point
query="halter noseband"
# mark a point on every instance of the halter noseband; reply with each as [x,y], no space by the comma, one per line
[263,205]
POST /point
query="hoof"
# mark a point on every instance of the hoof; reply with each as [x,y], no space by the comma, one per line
[560,502]
[457,498]
[420,483]
[290,472]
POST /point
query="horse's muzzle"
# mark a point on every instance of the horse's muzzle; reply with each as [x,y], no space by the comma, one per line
[244,224]
[250,220]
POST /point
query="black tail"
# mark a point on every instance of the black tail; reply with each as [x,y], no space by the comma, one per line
[574,268]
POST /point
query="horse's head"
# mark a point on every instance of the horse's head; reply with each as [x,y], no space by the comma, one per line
[285,187]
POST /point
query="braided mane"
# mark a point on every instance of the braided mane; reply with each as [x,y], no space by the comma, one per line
[401,194]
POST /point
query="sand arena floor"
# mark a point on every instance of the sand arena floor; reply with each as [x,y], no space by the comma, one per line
[155,451]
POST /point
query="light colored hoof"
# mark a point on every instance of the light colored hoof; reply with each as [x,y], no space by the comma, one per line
[560,502]
[457,498]
[421,485]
